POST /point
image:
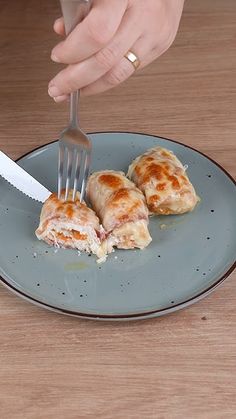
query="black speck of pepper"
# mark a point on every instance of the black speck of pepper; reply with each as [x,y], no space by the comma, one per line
[212,210]
[89,254]
[86,295]
[159,256]
[99,267]
[204,273]
[122,260]
[208,238]
[85,280]
[208,175]
[46,251]
[81,295]
[6,209]
[197,269]
[172,302]
[38,284]
[128,283]
[204,318]
[63,293]
[121,285]
[17,256]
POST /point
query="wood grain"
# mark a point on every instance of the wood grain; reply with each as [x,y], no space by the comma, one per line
[180,366]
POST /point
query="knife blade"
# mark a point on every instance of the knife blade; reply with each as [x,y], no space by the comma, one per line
[20,179]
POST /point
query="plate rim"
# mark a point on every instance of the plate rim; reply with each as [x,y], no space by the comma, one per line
[131,316]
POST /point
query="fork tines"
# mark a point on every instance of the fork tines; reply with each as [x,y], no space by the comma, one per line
[73,169]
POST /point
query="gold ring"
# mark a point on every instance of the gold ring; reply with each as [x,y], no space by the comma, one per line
[133,59]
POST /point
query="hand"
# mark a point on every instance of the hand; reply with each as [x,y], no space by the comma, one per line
[94,51]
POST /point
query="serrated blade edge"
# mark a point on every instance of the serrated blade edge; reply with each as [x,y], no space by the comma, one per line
[20,179]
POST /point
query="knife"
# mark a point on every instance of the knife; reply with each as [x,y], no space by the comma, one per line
[20,179]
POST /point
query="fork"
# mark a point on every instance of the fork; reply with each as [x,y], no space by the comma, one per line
[74,145]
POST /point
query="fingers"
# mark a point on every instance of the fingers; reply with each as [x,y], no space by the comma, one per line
[95,49]
[59,27]
[93,33]
[113,78]
[61,98]
[124,69]
[77,76]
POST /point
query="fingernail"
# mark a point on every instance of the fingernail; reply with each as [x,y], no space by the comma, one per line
[61,98]
[53,91]
[58,19]
[55,58]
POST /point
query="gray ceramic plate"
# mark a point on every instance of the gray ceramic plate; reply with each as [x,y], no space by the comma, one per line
[189,256]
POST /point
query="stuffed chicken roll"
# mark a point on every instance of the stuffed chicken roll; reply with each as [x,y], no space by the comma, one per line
[71,224]
[121,208]
[162,178]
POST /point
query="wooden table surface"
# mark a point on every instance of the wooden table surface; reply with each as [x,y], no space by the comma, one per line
[179,366]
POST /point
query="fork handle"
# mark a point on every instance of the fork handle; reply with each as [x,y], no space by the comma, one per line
[74,11]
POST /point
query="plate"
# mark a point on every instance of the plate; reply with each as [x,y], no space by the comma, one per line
[190,254]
